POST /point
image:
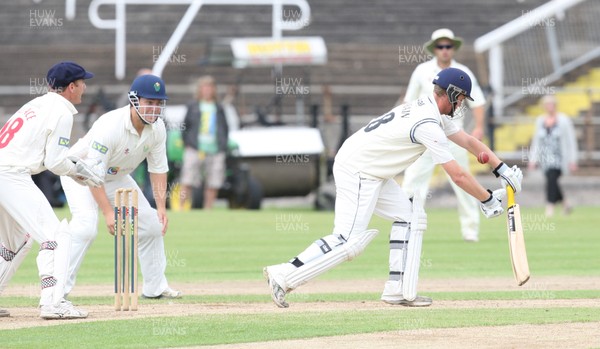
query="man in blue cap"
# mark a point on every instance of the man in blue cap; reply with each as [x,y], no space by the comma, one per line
[34,139]
[121,139]
[365,170]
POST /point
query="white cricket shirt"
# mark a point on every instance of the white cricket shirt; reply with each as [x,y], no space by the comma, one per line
[36,137]
[392,142]
[114,140]
[421,84]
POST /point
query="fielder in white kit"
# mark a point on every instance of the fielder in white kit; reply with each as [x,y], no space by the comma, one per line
[443,45]
[34,139]
[364,171]
[121,139]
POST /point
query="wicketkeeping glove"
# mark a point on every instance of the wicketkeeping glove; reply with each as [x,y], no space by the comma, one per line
[492,207]
[88,172]
[509,176]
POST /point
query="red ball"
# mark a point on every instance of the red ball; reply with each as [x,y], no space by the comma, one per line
[483,158]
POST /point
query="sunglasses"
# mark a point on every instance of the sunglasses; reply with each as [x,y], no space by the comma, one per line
[447,47]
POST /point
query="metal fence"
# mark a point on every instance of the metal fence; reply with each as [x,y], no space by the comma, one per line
[527,55]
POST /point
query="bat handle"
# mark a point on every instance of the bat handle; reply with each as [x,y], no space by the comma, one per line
[510,196]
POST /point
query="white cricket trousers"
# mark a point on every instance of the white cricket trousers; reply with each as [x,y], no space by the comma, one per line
[84,228]
[25,212]
[418,176]
[359,197]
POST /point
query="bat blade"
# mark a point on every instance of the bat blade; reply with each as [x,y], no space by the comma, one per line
[516,241]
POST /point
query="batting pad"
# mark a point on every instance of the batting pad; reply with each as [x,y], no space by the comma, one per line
[413,252]
[345,252]
[9,267]
[61,260]
[399,237]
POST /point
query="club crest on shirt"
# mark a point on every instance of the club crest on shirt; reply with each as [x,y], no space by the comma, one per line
[112,170]
[146,147]
[99,147]
[64,141]
[126,151]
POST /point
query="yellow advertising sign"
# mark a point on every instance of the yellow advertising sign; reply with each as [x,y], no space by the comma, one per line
[287,51]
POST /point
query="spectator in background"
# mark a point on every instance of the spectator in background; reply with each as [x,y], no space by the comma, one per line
[554,150]
[205,138]
[443,45]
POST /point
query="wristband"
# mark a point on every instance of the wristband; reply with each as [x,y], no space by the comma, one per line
[502,166]
[488,199]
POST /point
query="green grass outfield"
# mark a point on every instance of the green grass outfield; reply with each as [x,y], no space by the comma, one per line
[234,245]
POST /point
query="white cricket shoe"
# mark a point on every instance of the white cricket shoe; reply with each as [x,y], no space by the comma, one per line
[4,313]
[169,293]
[277,292]
[64,310]
[420,301]
[471,238]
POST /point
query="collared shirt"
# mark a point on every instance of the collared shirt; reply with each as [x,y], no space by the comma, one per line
[392,142]
[421,84]
[115,141]
[36,137]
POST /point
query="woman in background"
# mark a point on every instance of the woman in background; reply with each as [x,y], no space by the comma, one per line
[554,150]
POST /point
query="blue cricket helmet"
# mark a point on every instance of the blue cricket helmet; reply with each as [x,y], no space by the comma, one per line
[455,82]
[149,86]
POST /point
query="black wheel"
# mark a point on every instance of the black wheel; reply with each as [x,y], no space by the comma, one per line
[198,197]
[255,194]
[246,194]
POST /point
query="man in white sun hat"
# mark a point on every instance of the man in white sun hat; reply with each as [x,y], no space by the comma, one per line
[443,45]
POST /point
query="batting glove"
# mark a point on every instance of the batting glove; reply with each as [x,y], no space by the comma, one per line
[509,176]
[492,207]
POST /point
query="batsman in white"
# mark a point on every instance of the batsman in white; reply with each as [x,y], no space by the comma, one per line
[364,171]
[121,139]
[443,45]
[34,139]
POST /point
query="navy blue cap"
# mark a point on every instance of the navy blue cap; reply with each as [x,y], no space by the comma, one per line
[63,73]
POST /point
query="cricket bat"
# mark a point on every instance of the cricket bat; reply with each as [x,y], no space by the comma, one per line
[516,241]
